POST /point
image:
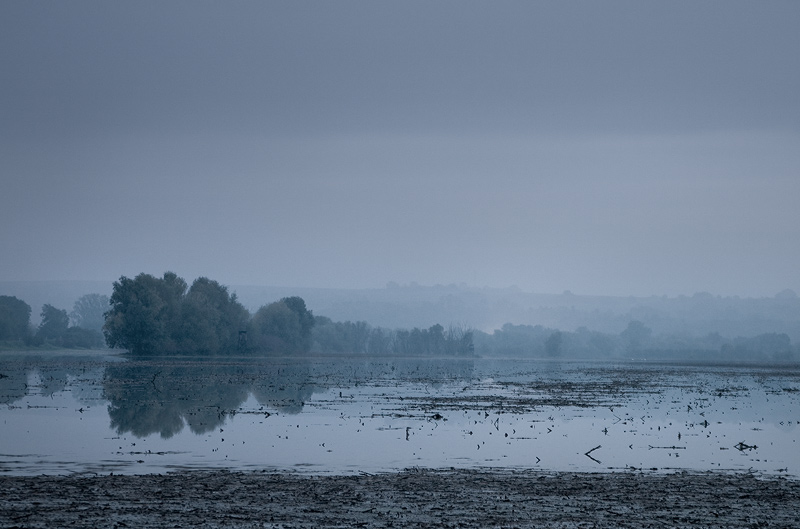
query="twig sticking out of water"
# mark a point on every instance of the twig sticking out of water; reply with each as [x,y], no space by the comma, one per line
[153,381]
[588,454]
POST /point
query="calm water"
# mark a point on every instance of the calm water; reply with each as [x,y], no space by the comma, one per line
[62,414]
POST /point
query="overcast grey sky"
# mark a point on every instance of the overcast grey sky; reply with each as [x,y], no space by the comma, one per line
[605,147]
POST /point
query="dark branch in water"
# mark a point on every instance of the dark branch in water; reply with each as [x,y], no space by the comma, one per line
[588,454]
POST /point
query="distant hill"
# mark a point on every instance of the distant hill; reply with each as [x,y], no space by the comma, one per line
[487,309]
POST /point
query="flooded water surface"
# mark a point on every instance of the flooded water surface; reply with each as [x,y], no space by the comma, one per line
[61,414]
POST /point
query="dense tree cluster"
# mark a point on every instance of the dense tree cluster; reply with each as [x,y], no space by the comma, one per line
[154,316]
[768,346]
[282,326]
[151,315]
[53,331]
[15,318]
[55,323]
[360,337]
[636,341]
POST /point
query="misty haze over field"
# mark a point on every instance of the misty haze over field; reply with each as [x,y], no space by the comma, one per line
[489,309]
[606,148]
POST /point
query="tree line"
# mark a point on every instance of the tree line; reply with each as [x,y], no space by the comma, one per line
[81,328]
[635,342]
[150,315]
[361,338]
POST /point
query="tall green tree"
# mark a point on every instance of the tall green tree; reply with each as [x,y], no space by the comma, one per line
[276,329]
[552,346]
[140,319]
[211,318]
[436,340]
[172,290]
[282,327]
[54,323]
[304,316]
[15,318]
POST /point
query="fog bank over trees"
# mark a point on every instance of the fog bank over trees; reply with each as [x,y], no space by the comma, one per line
[487,309]
[413,319]
[54,329]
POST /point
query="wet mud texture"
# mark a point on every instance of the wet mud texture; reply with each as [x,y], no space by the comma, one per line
[426,498]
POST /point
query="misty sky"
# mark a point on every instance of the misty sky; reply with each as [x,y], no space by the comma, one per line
[625,148]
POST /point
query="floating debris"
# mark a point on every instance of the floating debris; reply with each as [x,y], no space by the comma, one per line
[588,454]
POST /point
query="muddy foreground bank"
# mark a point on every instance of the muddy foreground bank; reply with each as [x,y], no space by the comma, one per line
[428,498]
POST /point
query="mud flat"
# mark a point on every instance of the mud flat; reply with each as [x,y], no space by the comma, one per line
[411,498]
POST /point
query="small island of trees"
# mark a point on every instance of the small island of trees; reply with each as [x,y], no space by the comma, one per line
[157,316]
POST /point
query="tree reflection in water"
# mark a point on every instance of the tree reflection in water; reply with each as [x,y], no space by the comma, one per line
[13,385]
[163,396]
[30,374]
